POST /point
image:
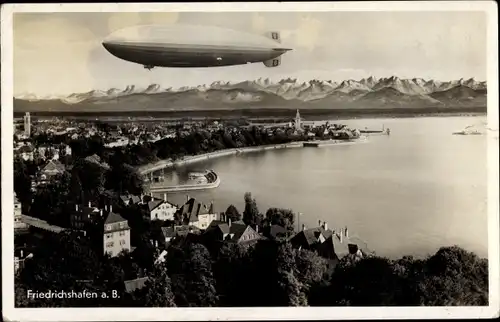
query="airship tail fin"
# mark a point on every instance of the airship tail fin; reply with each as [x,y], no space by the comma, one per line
[274,35]
[275,62]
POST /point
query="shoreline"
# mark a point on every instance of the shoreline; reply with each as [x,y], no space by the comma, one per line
[165,164]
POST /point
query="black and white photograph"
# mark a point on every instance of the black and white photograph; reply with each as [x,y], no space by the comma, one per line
[287,159]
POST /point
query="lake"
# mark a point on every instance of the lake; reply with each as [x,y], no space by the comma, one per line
[408,193]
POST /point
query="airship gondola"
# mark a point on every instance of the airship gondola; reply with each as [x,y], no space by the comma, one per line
[193,46]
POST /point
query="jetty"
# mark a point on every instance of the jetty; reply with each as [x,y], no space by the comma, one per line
[212,181]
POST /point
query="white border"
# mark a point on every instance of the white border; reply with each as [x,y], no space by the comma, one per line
[128,314]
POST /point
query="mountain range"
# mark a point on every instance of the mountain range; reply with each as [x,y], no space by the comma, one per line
[367,93]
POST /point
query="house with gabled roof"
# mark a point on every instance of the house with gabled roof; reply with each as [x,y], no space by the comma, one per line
[116,236]
[160,209]
[340,245]
[237,232]
[196,213]
[51,169]
[309,238]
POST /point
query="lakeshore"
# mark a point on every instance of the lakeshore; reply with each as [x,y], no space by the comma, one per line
[165,164]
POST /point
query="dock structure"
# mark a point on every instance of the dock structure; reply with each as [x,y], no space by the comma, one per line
[213,181]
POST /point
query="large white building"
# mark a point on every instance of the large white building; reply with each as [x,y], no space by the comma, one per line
[116,234]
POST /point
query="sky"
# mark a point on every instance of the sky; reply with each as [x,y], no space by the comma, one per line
[61,53]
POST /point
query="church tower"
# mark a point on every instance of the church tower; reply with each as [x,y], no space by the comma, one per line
[298,124]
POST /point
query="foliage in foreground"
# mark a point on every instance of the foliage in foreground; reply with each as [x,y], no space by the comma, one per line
[266,274]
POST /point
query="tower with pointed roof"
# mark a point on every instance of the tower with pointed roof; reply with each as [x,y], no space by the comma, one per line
[116,237]
[298,121]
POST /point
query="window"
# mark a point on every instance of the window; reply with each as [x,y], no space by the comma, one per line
[122,242]
[122,233]
[108,236]
[122,224]
[110,244]
[108,227]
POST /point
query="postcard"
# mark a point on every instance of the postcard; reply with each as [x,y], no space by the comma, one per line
[247,161]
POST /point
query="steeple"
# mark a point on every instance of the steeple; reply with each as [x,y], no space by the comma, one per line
[298,124]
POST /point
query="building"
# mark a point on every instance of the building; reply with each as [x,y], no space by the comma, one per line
[19,225]
[116,237]
[298,122]
[82,218]
[136,284]
[311,238]
[27,124]
[129,199]
[39,228]
[197,214]
[340,245]
[51,169]
[160,209]
[169,233]
[26,152]
[233,232]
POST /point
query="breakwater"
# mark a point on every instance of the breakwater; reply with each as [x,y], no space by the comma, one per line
[214,182]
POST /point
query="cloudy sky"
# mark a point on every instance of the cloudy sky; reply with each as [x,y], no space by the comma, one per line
[61,53]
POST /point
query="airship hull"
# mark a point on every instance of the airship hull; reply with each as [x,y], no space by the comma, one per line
[176,55]
[180,46]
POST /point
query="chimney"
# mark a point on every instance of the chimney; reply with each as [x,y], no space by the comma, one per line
[346,232]
[22,254]
[76,207]
[325,225]
[319,223]
[110,208]
[303,227]
[165,197]
[187,198]
[229,222]
[151,195]
[340,235]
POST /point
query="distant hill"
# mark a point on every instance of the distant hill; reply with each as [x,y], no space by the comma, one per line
[368,93]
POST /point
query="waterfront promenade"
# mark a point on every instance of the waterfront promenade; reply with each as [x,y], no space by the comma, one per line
[164,164]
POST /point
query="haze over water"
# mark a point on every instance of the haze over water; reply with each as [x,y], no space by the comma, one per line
[405,194]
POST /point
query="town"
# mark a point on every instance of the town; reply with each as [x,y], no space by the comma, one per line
[84,216]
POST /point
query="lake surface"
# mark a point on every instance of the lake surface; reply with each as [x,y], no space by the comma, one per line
[408,193]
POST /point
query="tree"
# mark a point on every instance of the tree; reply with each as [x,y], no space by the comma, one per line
[157,292]
[233,272]
[251,215]
[123,178]
[22,181]
[62,262]
[233,213]
[451,277]
[282,217]
[192,278]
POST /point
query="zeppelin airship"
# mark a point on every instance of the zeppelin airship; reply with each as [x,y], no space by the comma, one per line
[193,46]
